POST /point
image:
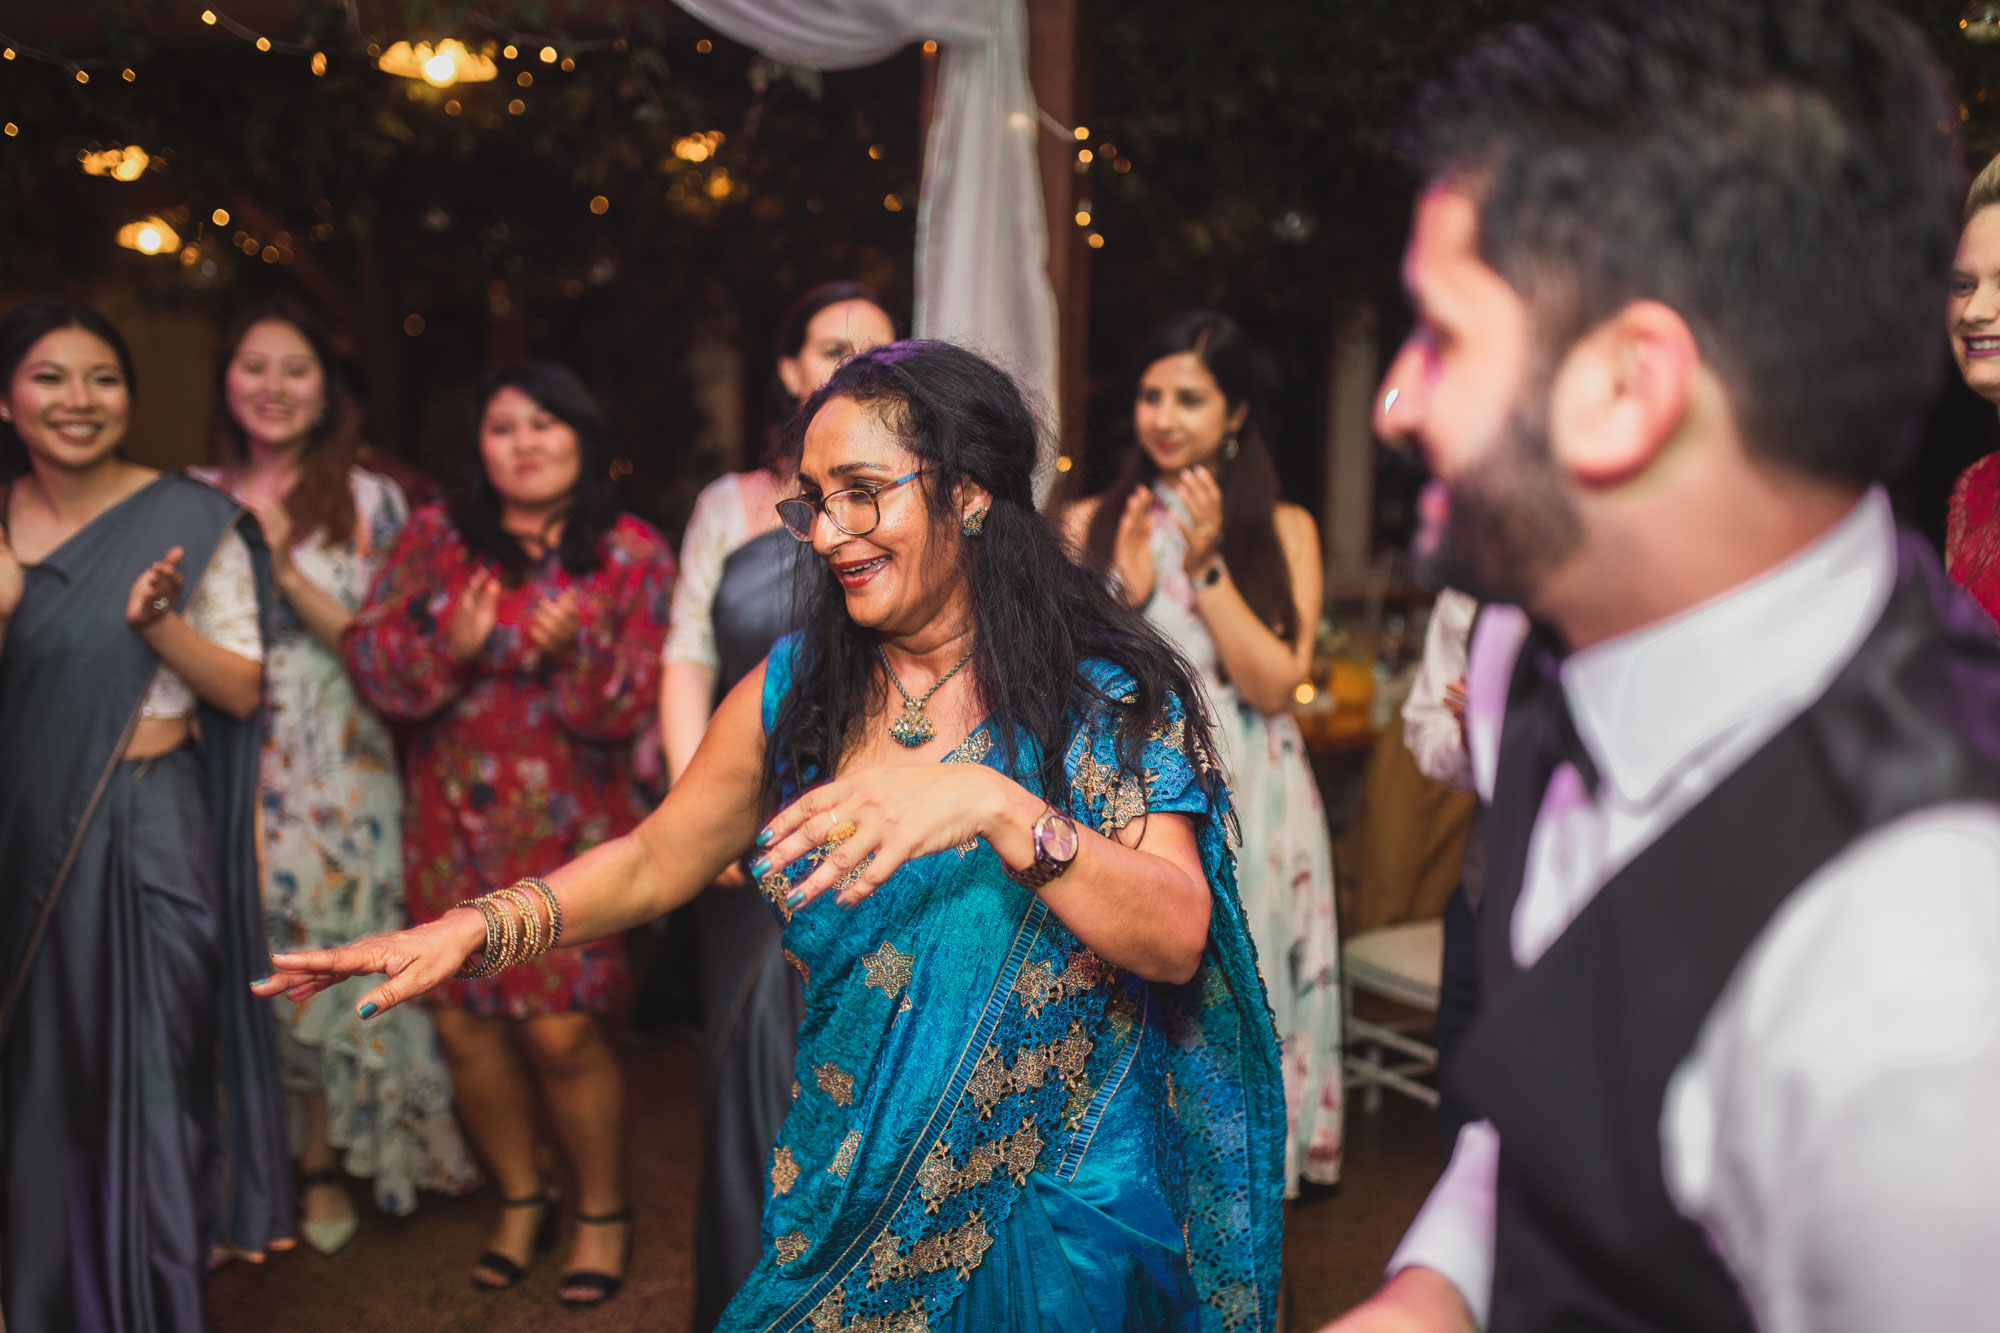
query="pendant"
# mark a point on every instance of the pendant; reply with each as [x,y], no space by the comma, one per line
[913,728]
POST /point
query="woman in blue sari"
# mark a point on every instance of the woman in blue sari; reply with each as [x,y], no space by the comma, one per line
[1037,1084]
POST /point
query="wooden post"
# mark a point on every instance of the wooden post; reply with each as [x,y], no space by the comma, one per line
[1059,70]
[1349,510]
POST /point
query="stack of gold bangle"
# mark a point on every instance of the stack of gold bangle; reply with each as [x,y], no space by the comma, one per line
[523,922]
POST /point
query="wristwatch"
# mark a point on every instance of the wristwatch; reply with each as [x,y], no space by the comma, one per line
[1056,842]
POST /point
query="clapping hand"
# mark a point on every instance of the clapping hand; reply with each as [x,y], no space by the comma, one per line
[1132,549]
[473,616]
[276,521]
[554,623]
[1203,527]
[155,591]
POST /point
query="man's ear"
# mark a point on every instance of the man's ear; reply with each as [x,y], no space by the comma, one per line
[1622,394]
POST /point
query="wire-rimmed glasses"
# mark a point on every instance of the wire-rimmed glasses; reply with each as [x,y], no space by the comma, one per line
[854,511]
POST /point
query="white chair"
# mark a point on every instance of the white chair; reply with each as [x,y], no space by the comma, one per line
[1400,963]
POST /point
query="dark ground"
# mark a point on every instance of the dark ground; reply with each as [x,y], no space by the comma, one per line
[411,1273]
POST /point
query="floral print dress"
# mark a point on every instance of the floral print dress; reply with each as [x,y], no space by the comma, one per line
[332,847]
[1284,874]
[516,764]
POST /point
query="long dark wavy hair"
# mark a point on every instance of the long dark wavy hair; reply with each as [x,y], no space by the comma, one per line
[321,500]
[1038,617]
[780,407]
[27,324]
[594,506]
[1249,483]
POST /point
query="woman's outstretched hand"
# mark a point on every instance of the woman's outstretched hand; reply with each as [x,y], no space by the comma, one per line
[878,820]
[414,960]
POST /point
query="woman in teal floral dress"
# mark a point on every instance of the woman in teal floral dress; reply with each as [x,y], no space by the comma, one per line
[1037,1083]
[518,631]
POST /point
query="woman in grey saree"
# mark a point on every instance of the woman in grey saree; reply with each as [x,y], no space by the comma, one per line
[1037,1083]
[140,1122]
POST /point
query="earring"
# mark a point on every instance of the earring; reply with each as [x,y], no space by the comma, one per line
[1230,448]
[975,523]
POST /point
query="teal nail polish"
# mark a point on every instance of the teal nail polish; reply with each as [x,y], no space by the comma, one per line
[760,867]
[764,838]
[258,981]
[795,897]
[370,1009]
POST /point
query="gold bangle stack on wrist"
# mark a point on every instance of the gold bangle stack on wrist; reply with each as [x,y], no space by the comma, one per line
[523,922]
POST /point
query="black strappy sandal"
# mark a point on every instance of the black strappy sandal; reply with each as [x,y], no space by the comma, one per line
[603,1285]
[545,1240]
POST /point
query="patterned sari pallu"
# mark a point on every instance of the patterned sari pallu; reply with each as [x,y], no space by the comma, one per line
[989,1123]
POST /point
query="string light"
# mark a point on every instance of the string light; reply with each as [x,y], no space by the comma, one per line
[510,50]
[698,147]
[440,66]
[1096,241]
[704,46]
[1082,133]
[215,18]
[893,202]
[1083,217]
[875,151]
[1064,463]
[548,55]
[150,236]
[930,48]
[567,65]
[220,217]
[124,164]
[516,107]
[12,129]
[599,204]
[319,63]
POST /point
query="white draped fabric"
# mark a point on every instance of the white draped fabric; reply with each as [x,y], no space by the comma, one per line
[982,237]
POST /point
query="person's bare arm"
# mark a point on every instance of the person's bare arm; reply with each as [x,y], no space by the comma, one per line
[705,823]
[1265,668]
[686,692]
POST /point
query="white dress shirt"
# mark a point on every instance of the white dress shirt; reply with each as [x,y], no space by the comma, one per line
[1430,729]
[1833,1130]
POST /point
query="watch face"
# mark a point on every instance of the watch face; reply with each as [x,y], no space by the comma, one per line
[1056,836]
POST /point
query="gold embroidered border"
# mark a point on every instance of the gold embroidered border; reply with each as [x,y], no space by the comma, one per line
[992,1079]
[940,1177]
[1039,984]
[784,1171]
[1123,795]
[805,973]
[790,1246]
[830,1316]
[960,1249]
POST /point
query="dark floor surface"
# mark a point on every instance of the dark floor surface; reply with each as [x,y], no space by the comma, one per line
[411,1274]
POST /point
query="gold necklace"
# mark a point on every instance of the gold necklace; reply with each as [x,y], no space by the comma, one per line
[914,726]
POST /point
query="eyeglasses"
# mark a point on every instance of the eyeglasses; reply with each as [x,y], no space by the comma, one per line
[855,512]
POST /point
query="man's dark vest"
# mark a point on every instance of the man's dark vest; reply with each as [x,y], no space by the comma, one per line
[1571,1058]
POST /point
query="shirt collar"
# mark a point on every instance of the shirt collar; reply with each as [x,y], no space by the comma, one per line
[1736,668]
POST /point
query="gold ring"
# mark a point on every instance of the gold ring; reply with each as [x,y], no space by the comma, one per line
[841,831]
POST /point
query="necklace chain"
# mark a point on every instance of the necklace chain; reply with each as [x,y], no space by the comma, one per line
[914,727]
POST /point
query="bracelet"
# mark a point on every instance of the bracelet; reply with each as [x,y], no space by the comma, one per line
[468,968]
[555,907]
[528,919]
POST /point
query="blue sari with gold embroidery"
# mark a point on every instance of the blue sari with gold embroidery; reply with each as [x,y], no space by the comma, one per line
[992,1129]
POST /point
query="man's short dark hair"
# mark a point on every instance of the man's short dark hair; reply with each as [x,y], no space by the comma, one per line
[1783,173]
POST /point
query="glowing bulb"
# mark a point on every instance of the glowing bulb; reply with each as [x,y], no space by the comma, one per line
[704,46]
[220,217]
[149,240]
[510,50]
[1096,241]
[599,204]
[12,129]
[930,48]
[319,63]
[263,43]
[1082,132]
[1065,463]
[208,17]
[548,55]
[1305,693]
[83,76]
[1083,217]
[440,71]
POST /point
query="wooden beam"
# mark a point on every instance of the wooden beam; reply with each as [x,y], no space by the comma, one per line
[1059,70]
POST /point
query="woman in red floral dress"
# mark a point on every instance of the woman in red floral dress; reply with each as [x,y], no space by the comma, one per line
[519,629]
